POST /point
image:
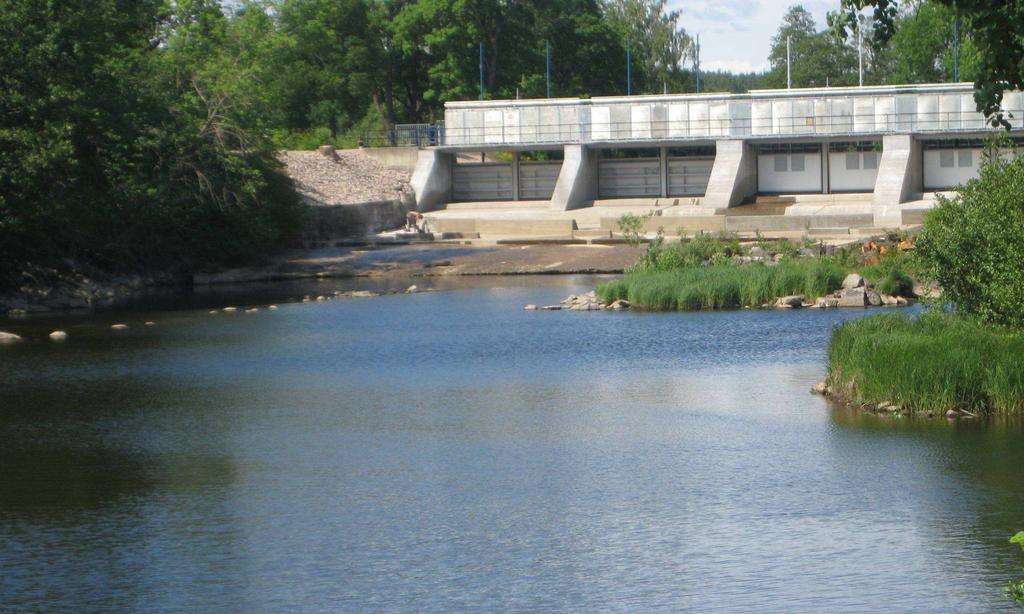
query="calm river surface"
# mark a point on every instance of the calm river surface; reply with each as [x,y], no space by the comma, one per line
[450,451]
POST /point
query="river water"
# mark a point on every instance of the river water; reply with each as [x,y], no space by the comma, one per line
[449,451]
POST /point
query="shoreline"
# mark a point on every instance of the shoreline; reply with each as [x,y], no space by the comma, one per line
[82,289]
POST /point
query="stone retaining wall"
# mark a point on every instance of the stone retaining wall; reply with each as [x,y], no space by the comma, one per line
[355,220]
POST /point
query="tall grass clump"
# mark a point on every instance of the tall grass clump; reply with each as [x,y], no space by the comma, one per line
[723,286]
[934,362]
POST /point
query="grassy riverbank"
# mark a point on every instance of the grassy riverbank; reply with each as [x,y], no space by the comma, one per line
[934,362]
[724,286]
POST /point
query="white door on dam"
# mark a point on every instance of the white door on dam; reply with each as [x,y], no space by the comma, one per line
[950,163]
[789,168]
[853,166]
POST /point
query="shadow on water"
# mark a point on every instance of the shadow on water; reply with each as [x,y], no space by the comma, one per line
[971,469]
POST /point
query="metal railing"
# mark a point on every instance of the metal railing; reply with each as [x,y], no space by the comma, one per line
[417,135]
[583,130]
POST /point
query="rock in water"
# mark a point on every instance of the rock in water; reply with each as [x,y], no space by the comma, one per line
[530,307]
[411,289]
[820,388]
[58,335]
[272,307]
[794,301]
[119,327]
[9,337]
[149,323]
[853,280]
[874,298]
[230,309]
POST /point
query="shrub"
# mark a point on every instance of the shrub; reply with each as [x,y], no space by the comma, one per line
[937,361]
[973,245]
[897,283]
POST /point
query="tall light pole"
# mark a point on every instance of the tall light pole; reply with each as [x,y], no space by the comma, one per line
[956,50]
[860,57]
[547,62]
[629,70]
[696,63]
[789,72]
[481,71]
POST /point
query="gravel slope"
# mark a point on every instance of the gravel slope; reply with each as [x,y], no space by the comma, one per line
[352,178]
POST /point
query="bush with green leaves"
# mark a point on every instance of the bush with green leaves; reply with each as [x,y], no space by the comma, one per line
[897,283]
[1015,588]
[133,135]
[973,245]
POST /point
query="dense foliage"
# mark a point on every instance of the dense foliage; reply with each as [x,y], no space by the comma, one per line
[128,138]
[992,29]
[934,362]
[973,245]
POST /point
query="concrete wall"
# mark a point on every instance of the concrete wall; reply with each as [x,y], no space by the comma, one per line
[328,222]
[733,175]
[577,181]
[432,179]
[899,177]
[402,158]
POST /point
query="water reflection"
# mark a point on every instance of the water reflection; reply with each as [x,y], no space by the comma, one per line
[449,451]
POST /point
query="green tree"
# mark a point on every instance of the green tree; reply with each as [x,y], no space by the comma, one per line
[973,244]
[921,49]
[817,58]
[124,144]
[994,31]
[658,44]
[329,62]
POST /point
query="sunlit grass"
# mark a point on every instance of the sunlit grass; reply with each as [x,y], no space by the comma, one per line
[933,362]
[723,286]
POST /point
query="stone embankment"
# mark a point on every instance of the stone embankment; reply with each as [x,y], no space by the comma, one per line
[74,288]
[885,407]
[331,177]
[856,292]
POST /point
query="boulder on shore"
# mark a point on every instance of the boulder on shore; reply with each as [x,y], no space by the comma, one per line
[853,297]
[9,337]
[853,280]
[58,335]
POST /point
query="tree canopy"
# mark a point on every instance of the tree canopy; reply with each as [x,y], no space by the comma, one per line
[996,51]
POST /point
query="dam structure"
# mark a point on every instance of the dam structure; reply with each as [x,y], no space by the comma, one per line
[819,161]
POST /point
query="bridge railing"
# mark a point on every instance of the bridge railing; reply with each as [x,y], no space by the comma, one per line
[585,130]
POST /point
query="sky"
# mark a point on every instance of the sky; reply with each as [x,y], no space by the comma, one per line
[736,35]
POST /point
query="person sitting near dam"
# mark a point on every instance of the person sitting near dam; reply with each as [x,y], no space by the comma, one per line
[413,220]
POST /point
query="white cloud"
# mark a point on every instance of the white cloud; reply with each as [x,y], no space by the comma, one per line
[736,34]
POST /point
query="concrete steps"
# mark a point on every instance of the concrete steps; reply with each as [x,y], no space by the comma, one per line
[486,205]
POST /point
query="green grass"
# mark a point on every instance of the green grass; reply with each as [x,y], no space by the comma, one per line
[933,362]
[723,286]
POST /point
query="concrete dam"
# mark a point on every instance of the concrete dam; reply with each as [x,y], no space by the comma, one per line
[815,161]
